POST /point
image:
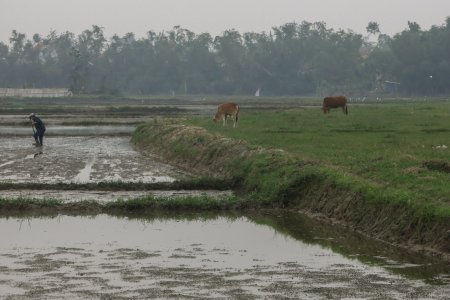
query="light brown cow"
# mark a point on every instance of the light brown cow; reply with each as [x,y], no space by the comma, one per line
[334,102]
[227,109]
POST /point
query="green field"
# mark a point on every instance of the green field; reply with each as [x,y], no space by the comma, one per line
[400,151]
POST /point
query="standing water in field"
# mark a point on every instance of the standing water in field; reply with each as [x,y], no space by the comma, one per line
[71,130]
[203,256]
[80,159]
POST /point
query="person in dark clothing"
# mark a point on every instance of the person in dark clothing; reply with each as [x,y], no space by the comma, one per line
[37,124]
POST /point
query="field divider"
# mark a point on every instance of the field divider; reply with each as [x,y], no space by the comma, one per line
[200,183]
[274,178]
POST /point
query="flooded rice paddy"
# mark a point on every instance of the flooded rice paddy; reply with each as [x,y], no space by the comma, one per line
[166,255]
[79,159]
[187,256]
[95,130]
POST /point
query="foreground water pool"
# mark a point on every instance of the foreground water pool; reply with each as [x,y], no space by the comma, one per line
[267,255]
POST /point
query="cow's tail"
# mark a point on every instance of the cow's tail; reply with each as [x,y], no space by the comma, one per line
[346,111]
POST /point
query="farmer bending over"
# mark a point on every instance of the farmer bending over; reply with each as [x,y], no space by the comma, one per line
[40,130]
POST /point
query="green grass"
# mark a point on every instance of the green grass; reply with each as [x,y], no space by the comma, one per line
[27,203]
[199,183]
[383,149]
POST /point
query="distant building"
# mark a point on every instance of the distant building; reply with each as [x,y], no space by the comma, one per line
[34,93]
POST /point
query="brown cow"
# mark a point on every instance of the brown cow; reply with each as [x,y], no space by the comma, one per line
[334,102]
[227,109]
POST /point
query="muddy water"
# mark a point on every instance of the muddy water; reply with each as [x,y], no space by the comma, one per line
[70,130]
[194,256]
[79,159]
[53,120]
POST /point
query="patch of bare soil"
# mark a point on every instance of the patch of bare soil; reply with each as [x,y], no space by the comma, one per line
[437,165]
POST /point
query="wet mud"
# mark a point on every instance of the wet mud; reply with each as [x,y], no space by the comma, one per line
[95,130]
[183,257]
[79,159]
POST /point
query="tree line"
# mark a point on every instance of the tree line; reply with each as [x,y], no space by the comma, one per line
[292,59]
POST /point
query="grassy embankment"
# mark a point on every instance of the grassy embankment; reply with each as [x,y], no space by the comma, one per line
[200,183]
[384,165]
[398,153]
[140,204]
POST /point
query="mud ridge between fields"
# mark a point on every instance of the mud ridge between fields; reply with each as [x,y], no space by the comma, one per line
[209,154]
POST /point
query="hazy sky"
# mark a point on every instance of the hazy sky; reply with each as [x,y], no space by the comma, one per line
[213,16]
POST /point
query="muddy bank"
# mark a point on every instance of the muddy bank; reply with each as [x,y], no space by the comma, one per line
[277,179]
[67,196]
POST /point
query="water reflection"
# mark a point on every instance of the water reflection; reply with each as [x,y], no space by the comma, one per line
[356,246]
[271,237]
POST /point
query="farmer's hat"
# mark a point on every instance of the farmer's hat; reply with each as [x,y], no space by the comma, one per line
[31,115]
